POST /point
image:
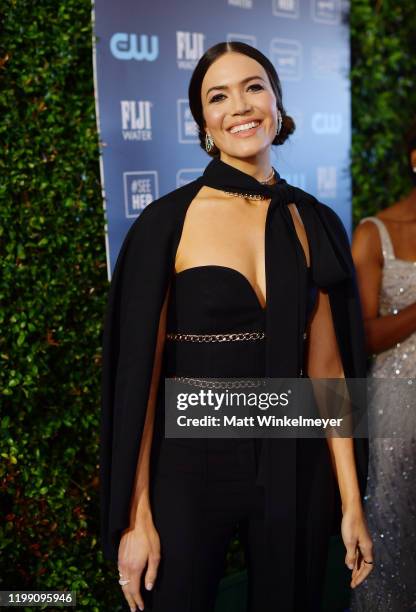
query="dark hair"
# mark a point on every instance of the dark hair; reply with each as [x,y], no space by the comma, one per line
[410,142]
[194,91]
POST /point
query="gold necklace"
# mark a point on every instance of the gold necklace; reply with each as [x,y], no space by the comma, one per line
[249,196]
[268,179]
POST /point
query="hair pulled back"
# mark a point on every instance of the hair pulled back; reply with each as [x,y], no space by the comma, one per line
[195,85]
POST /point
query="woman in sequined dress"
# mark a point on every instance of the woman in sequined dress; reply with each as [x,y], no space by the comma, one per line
[384,251]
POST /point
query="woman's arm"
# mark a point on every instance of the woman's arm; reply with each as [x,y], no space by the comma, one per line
[140,503]
[381,332]
[139,544]
[323,360]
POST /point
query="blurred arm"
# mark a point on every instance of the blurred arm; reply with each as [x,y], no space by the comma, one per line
[382,332]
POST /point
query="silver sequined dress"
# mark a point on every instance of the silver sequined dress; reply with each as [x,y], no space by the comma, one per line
[390,501]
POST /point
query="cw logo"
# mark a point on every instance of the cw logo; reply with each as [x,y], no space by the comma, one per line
[126,47]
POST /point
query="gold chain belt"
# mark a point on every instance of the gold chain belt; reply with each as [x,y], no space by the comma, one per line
[217,337]
[219,384]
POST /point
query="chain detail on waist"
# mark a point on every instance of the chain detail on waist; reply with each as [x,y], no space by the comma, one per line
[235,336]
[220,384]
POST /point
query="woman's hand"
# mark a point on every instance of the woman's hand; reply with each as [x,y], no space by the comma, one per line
[358,543]
[139,546]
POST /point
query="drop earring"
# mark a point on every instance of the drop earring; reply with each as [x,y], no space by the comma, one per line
[279,122]
[209,142]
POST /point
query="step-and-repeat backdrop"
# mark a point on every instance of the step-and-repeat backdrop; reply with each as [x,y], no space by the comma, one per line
[144,55]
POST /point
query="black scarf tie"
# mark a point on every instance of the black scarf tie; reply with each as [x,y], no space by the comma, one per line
[286,295]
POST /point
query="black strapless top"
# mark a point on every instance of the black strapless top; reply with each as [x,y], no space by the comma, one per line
[215,299]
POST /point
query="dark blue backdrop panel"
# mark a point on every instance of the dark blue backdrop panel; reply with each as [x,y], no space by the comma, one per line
[144,57]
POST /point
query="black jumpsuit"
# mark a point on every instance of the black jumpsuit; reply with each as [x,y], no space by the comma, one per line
[203,489]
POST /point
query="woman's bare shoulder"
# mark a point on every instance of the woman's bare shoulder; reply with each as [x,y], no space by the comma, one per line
[366,229]
[366,243]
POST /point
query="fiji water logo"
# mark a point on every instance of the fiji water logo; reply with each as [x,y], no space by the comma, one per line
[189,48]
[140,188]
[136,119]
[286,8]
[326,181]
[132,47]
[327,123]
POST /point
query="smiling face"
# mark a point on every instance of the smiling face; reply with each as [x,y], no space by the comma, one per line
[239,106]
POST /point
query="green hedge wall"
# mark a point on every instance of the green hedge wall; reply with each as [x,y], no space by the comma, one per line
[383,50]
[53,270]
[53,291]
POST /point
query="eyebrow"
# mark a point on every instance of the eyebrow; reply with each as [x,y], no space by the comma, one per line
[243,81]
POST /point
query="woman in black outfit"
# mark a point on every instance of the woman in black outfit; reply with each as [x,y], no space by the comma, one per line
[236,274]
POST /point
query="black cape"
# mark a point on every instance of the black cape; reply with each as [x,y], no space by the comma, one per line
[141,277]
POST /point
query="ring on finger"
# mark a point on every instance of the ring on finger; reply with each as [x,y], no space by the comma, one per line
[368,562]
